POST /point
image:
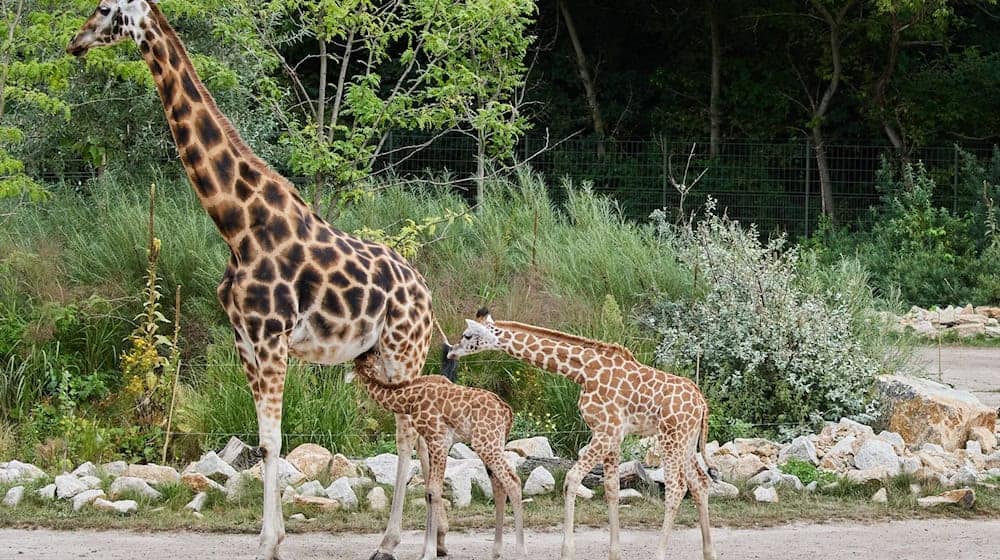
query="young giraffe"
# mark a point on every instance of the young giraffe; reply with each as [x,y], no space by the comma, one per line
[619,396]
[294,285]
[441,412]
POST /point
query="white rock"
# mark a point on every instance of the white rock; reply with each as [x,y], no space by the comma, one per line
[133,485]
[462,451]
[342,466]
[896,440]
[13,496]
[197,515]
[341,491]
[722,489]
[86,469]
[875,453]
[377,500]
[360,482]
[236,486]
[540,481]
[910,465]
[212,466]
[811,487]
[154,474]
[310,459]
[23,472]
[792,481]
[867,475]
[881,496]
[86,497]
[311,488]
[769,477]
[965,476]
[766,494]
[513,459]
[68,486]
[297,517]
[239,455]
[843,447]
[461,474]
[288,496]
[584,493]
[629,496]
[383,468]
[287,473]
[121,506]
[532,447]
[197,502]
[115,468]
[800,448]
[92,482]
[973,447]
[47,492]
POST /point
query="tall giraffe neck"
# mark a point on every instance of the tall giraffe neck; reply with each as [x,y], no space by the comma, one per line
[227,176]
[549,351]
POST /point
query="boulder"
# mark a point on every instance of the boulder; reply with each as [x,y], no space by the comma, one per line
[964,476]
[720,489]
[325,504]
[540,481]
[288,475]
[359,482]
[115,468]
[631,474]
[311,488]
[881,497]
[86,497]
[377,500]
[298,517]
[802,449]
[758,446]
[236,487]
[923,411]
[964,497]
[239,455]
[867,475]
[47,492]
[13,496]
[894,439]
[68,486]
[765,494]
[92,482]
[747,466]
[986,439]
[86,469]
[197,502]
[341,491]
[875,453]
[383,468]
[153,474]
[532,447]
[910,465]
[212,466]
[121,506]
[310,459]
[342,466]
[200,483]
[289,494]
[132,485]
[629,496]
[22,472]
[584,493]
[462,451]
[461,474]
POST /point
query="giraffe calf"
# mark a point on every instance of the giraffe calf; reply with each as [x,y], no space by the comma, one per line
[443,412]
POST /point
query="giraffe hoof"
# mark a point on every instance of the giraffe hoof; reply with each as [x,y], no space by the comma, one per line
[379,555]
[442,552]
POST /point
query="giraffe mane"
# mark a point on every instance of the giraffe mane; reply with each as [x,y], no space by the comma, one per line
[598,345]
[237,142]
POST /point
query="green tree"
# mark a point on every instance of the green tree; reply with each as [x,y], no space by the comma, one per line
[342,75]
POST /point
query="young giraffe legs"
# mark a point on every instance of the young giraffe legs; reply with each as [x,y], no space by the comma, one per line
[500,505]
[697,483]
[599,447]
[406,438]
[438,455]
[611,488]
[506,486]
[267,381]
[674,486]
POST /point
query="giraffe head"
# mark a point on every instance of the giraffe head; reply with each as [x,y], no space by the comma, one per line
[479,335]
[112,22]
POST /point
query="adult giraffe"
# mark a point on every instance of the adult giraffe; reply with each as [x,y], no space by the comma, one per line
[294,285]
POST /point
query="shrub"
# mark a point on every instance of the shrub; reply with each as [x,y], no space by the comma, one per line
[767,350]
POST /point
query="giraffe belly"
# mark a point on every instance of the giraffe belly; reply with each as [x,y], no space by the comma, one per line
[305,345]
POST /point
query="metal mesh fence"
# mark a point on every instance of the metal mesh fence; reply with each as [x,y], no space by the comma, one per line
[775,185]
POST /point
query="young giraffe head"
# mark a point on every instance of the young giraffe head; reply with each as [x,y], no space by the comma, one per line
[480,335]
[112,22]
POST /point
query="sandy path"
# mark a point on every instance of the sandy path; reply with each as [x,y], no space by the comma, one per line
[924,539]
[971,369]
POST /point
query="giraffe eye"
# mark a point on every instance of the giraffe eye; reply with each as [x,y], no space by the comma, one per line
[104,10]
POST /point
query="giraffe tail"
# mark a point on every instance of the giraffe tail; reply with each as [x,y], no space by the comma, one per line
[449,366]
[711,471]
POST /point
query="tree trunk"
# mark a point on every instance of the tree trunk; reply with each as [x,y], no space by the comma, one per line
[585,77]
[320,119]
[480,168]
[825,183]
[5,65]
[715,120]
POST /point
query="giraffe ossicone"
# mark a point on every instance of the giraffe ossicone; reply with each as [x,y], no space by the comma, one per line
[294,286]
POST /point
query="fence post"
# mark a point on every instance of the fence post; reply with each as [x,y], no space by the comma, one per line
[808,165]
[663,163]
[954,181]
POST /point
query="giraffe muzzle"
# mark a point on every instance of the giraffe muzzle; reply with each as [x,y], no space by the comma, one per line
[78,46]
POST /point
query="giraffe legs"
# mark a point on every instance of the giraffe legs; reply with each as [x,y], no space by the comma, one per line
[406,437]
[267,381]
[435,486]
[611,488]
[673,491]
[598,447]
[506,485]
[697,483]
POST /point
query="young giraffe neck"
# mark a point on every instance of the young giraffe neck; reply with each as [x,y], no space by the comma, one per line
[390,397]
[228,178]
[551,353]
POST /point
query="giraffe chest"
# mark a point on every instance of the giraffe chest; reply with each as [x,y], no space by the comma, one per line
[348,341]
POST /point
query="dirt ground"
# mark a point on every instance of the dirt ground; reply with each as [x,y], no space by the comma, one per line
[924,539]
[968,368]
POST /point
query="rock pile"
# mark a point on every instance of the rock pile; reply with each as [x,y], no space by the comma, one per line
[963,321]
